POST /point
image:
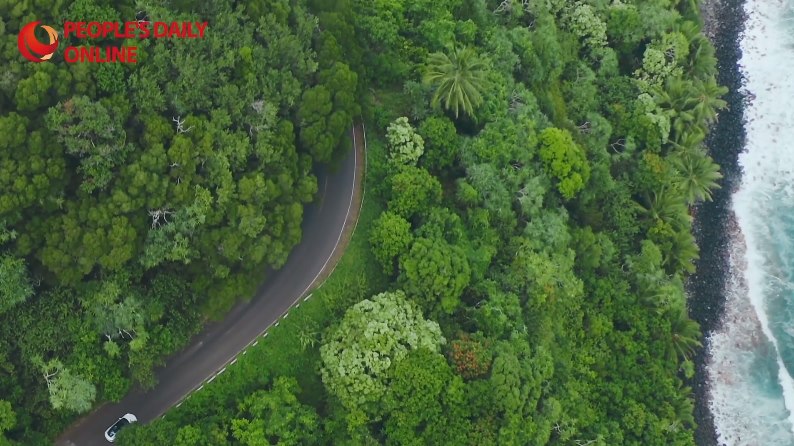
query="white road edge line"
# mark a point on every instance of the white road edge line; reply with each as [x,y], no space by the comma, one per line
[349,206]
[333,251]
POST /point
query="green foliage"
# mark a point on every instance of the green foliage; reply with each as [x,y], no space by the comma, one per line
[684,336]
[8,419]
[441,140]
[405,145]
[583,22]
[276,416]
[435,273]
[327,110]
[458,77]
[390,237]
[142,199]
[374,334]
[68,390]
[185,173]
[564,160]
[92,133]
[424,404]
[15,286]
[698,175]
[170,241]
[413,189]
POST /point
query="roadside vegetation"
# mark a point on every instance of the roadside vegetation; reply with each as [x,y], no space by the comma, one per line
[541,164]
[138,200]
[517,275]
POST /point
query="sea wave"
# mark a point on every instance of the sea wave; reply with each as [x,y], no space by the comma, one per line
[752,354]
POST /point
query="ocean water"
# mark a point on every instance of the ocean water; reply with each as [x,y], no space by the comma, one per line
[751,356]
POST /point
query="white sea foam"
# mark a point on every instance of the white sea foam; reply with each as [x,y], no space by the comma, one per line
[752,399]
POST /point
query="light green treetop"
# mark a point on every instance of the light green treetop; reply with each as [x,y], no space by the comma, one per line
[405,145]
[373,335]
[68,390]
[564,160]
[14,284]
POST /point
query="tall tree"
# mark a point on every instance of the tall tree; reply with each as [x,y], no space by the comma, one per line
[374,334]
[666,205]
[405,145]
[412,190]
[684,335]
[435,273]
[425,403]
[697,174]
[68,390]
[564,160]
[15,286]
[458,77]
[94,134]
[390,237]
[276,416]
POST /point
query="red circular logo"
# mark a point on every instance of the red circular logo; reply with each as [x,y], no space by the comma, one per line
[29,45]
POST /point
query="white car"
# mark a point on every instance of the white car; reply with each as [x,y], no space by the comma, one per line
[110,433]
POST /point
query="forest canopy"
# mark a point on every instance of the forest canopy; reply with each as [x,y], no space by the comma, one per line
[138,199]
[527,232]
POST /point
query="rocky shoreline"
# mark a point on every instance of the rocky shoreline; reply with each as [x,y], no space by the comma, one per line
[715,223]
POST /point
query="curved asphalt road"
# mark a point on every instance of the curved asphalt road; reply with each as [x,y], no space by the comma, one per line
[323,224]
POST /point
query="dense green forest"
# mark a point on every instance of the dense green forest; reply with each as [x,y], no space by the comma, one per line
[520,262]
[138,199]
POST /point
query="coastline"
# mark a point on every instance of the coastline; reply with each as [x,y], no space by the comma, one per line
[716,225]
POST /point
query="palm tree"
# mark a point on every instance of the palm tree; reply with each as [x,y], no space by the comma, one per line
[708,100]
[684,335]
[697,174]
[682,405]
[682,252]
[690,103]
[665,205]
[701,63]
[690,139]
[458,78]
[677,101]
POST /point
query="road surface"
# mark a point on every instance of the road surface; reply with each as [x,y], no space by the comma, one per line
[323,225]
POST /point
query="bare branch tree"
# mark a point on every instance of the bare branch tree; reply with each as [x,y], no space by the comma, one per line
[619,144]
[157,214]
[516,102]
[180,125]
[507,6]
[50,372]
